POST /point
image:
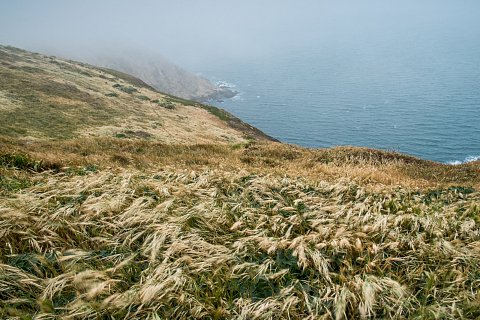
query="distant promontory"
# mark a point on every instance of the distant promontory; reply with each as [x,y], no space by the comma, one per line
[162,74]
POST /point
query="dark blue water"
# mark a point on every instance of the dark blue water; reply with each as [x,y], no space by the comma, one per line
[415,90]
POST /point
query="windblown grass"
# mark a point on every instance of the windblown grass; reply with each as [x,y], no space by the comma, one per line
[167,219]
[365,166]
[181,243]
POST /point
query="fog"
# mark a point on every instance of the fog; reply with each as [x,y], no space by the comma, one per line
[393,74]
[192,33]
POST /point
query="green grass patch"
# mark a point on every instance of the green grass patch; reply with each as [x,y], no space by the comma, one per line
[24,162]
[125,89]
[20,161]
[219,113]
[138,134]
[168,105]
[13,184]
[142,97]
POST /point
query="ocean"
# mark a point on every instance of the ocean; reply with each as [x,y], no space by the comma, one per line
[416,96]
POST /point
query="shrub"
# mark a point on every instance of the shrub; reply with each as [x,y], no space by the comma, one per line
[141,97]
[20,161]
[128,90]
[168,105]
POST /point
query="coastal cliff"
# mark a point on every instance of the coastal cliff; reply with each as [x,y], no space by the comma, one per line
[160,73]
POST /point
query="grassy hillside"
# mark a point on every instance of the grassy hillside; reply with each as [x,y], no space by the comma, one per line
[137,229]
[98,226]
[46,97]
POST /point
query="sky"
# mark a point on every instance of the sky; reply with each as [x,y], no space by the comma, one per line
[193,32]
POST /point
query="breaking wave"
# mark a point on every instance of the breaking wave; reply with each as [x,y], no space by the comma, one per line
[466,160]
[225,84]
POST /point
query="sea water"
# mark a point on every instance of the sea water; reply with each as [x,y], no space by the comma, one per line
[422,99]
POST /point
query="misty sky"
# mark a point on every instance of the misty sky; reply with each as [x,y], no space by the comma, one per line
[193,32]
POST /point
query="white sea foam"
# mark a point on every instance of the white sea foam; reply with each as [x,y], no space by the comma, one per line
[466,160]
[225,84]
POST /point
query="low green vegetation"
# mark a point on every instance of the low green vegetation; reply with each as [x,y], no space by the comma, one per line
[139,134]
[221,114]
[126,89]
[142,97]
[50,98]
[20,161]
[168,105]
[165,103]
[12,183]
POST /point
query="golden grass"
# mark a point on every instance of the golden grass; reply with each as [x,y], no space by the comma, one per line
[128,229]
[375,168]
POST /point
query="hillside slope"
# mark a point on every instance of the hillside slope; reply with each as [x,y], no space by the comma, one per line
[161,74]
[103,216]
[46,97]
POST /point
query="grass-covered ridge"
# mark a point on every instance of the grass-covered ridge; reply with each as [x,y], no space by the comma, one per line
[45,97]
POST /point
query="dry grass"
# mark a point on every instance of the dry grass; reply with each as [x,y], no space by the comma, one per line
[372,168]
[260,231]
[134,228]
